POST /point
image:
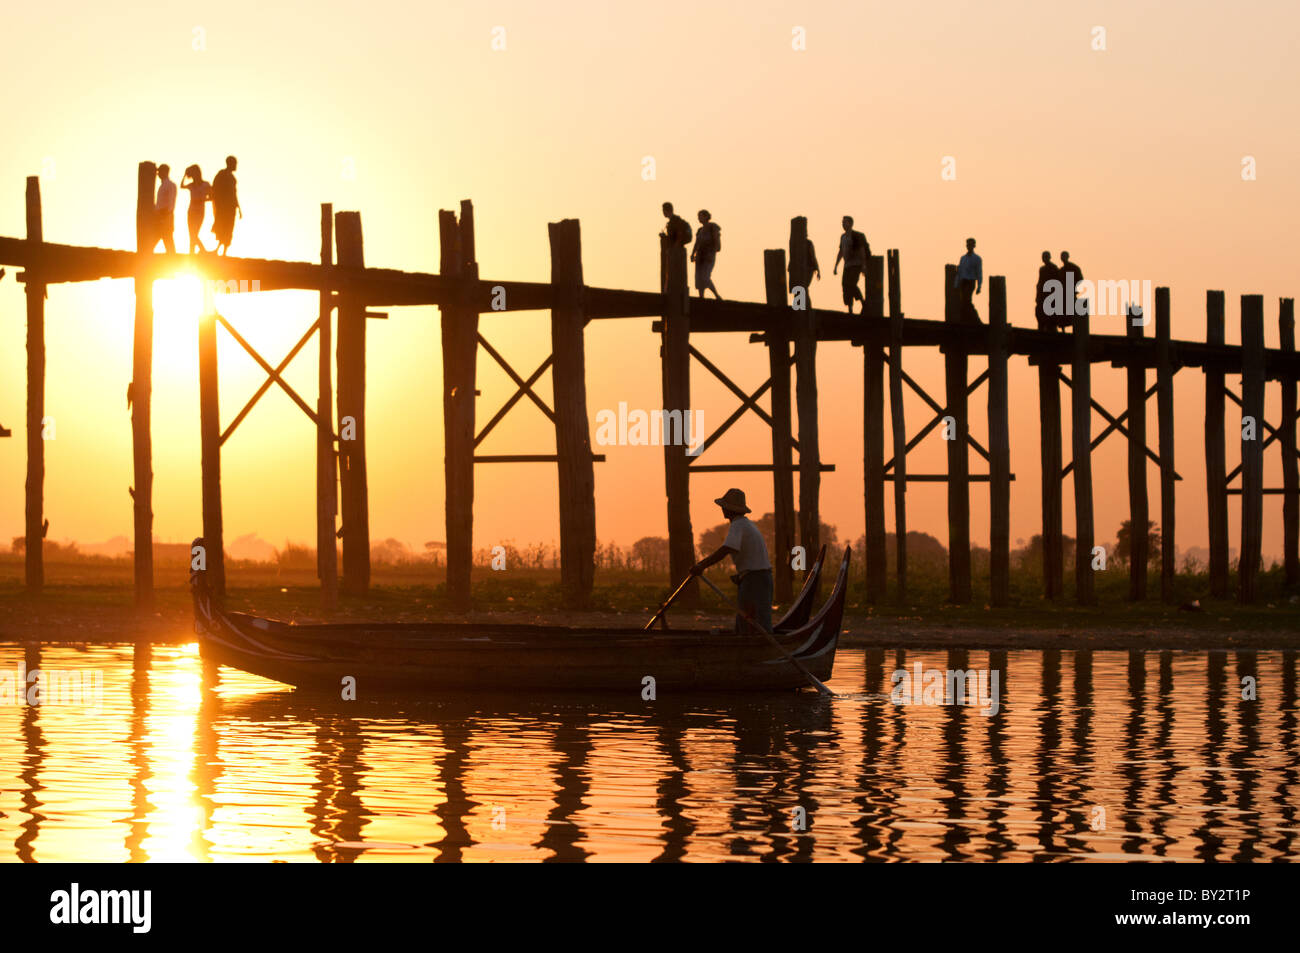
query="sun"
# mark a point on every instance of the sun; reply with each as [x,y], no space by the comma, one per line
[177,307]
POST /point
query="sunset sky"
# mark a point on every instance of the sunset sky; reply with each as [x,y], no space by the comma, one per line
[1129,157]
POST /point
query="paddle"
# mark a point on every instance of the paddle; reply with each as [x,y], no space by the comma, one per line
[816,682]
[664,608]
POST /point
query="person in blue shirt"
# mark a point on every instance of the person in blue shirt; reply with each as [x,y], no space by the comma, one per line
[969,280]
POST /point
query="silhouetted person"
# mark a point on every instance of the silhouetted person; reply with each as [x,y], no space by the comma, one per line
[200,193]
[708,242]
[1048,273]
[854,252]
[1072,277]
[225,204]
[748,550]
[164,210]
[677,231]
[814,270]
[969,281]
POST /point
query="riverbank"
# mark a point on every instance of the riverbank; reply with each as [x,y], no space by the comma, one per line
[94,611]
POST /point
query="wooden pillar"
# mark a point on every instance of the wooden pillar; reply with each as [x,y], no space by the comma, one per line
[1165,413]
[459,382]
[1252,450]
[1081,435]
[778,360]
[35,290]
[898,424]
[577,478]
[1216,482]
[1049,442]
[210,449]
[1138,506]
[805,352]
[954,359]
[676,375]
[999,447]
[327,569]
[351,359]
[1290,476]
[140,392]
[873,434]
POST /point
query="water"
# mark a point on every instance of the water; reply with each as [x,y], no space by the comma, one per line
[1090,756]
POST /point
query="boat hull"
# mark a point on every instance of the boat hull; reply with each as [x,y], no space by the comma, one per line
[463,657]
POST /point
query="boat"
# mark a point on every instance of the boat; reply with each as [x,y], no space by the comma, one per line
[462,656]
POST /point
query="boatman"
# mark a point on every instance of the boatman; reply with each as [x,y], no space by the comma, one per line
[745,545]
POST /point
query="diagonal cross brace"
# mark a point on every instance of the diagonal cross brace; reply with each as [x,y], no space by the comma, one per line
[525,388]
[939,414]
[273,374]
[1115,423]
[748,402]
[1272,434]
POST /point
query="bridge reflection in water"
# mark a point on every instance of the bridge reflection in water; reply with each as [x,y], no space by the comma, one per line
[1086,756]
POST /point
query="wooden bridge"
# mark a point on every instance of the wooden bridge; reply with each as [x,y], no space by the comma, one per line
[350,289]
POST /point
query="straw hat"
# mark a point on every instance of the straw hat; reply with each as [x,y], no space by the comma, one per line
[733,499]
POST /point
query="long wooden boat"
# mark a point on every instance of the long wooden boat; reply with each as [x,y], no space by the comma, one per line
[454,656]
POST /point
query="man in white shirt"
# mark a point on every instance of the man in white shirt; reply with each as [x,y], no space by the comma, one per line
[164,210]
[969,280]
[747,549]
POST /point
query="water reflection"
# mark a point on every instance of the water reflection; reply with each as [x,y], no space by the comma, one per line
[1087,755]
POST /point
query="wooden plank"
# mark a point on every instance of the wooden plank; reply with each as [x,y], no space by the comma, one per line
[1138,506]
[35,289]
[873,436]
[805,355]
[1252,450]
[210,451]
[1287,429]
[898,425]
[676,378]
[954,358]
[1081,435]
[1216,483]
[140,392]
[577,478]
[351,357]
[327,569]
[778,359]
[459,376]
[1165,415]
[999,448]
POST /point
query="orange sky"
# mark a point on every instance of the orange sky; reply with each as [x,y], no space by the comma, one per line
[1129,157]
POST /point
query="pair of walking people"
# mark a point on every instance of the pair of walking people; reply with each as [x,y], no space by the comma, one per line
[704,253]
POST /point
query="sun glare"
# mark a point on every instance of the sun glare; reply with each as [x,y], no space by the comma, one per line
[177,306]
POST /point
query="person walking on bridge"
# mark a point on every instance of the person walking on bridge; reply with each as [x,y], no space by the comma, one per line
[969,280]
[164,210]
[225,205]
[854,252]
[1049,280]
[708,242]
[748,551]
[1075,304]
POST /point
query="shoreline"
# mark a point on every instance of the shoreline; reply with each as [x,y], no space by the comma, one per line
[97,621]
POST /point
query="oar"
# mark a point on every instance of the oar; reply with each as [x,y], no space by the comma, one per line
[816,682]
[664,608]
